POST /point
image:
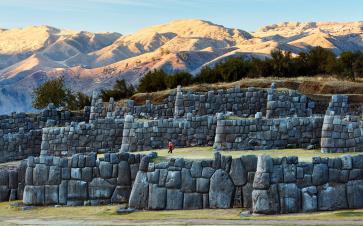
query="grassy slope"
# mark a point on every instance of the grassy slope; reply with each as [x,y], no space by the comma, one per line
[316,87]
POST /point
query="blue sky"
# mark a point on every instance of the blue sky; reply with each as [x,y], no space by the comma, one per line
[126,16]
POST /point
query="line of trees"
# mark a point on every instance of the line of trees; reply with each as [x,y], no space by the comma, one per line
[317,61]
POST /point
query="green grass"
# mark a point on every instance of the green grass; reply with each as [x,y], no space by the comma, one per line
[207,153]
[326,215]
[109,213]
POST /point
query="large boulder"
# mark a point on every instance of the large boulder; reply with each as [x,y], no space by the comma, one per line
[153,177]
[277,175]
[238,172]
[40,174]
[247,195]
[4,193]
[266,201]
[289,173]
[173,180]
[157,197]
[355,194]
[221,190]
[139,192]
[332,197]
[193,201]
[320,174]
[264,164]
[105,169]
[202,185]
[196,169]
[121,194]
[33,195]
[124,174]
[261,180]
[51,194]
[357,161]
[249,162]
[54,175]
[309,199]
[63,192]
[174,199]
[346,162]
[77,190]
[187,181]
[100,189]
[289,198]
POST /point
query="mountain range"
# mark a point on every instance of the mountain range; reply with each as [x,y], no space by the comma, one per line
[93,61]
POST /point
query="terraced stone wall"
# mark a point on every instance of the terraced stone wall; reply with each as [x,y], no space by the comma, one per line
[102,135]
[12,182]
[191,184]
[285,185]
[21,133]
[243,102]
[262,133]
[80,179]
[184,132]
[288,103]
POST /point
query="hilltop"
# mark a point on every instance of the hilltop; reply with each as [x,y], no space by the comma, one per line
[91,61]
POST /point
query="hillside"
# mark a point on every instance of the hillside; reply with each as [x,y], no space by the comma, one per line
[93,61]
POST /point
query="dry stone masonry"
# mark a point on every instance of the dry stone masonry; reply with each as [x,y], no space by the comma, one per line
[21,133]
[285,185]
[80,179]
[62,168]
[189,184]
[263,133]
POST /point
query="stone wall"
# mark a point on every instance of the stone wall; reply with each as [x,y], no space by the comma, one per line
[190,184]
[243,102]
[80,179]
[12,182]
[341,133]
[21,135]
[288,103]
[17,146]
[285,185]
[102,135]
[19,122]
[262,133]
[154,134]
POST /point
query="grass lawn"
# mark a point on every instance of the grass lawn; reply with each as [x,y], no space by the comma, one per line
[207,153]
[105,213]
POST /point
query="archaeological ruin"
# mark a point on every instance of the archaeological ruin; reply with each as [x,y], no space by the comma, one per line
[86,158]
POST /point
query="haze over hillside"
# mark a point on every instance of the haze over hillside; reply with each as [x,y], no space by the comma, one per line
[92,61]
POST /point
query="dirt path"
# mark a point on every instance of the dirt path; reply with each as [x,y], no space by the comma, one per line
[46,221]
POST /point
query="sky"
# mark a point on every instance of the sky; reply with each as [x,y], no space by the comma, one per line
[127,16]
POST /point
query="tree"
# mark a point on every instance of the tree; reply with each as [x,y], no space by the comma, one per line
[233,69]
[179,78]
[119,91]
[281,63]
[321,61]
[358,65]
[54,91]
[153,81]
[78,101]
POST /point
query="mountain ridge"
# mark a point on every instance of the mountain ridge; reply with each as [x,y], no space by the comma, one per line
[93,61]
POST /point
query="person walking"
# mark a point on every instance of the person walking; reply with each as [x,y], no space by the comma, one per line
[170,147]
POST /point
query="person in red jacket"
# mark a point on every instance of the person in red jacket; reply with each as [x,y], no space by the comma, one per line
[170,147]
